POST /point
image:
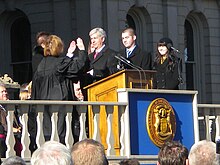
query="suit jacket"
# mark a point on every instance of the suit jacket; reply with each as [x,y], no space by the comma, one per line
[37,56]
[104,64]
[139,58]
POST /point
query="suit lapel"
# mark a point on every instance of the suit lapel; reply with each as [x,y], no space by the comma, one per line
[100,54]
[134,52]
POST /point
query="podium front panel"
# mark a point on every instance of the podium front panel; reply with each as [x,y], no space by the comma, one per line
[184,109]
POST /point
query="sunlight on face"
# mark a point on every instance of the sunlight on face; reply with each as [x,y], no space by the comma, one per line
[162,50]
[128,40]
[96,41]
[3,93]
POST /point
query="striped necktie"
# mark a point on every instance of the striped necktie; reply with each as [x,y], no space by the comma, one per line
[128,53]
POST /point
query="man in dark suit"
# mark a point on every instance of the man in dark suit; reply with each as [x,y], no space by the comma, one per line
[102,61]
[133,52]
[38,50]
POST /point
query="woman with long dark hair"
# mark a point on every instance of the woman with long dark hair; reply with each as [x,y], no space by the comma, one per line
[167,65]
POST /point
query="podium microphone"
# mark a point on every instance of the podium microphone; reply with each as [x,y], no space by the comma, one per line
[127,62]
[145,78]
[169,46]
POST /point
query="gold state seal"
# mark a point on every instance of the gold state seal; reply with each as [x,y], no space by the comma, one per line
[160,121]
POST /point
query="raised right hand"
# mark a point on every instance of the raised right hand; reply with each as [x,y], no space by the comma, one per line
[80,44]
[72,47]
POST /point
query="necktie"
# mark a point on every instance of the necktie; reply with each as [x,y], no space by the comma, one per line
[96,54]
[128,53]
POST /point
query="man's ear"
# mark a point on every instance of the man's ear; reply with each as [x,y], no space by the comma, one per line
[103,39]
[158,163]
[187,161]
[134,37]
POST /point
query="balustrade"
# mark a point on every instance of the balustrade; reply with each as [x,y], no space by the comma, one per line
[208,118]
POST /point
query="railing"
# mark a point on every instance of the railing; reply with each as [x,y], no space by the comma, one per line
[81,107]
[209,121]
[208,118]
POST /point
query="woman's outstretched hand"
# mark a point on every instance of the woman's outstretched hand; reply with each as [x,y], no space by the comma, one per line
[72,47]
[80,44]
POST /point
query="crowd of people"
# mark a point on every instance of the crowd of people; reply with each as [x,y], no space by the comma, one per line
[201,153]
[91,152]
[61,76]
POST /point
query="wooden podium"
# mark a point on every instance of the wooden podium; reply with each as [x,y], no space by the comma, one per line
[106,90]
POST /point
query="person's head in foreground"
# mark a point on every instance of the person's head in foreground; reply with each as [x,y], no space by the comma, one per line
[14,160]
[51,153]
[131,161]
[203,153]
[173,153]
[88,151]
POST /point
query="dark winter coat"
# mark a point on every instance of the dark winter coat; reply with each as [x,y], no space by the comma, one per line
[139,58]
[167,75]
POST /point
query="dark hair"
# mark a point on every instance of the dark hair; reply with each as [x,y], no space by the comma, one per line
[168,43]
[173,153]
[165,42]
[42,33]
[132,161]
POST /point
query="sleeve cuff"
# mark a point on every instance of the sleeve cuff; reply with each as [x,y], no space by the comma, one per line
[70,55]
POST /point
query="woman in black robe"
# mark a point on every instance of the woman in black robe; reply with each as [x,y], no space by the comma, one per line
[54,77]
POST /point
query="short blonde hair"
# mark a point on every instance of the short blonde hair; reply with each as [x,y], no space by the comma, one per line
[131,31]
[54,46]
[88,151]
[25,91]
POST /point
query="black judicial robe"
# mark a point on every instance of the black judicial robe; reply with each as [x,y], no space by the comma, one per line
[53,80]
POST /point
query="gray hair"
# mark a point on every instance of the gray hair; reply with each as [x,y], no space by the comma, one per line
[203,153]
[14,160]
[52,153]
[100,32]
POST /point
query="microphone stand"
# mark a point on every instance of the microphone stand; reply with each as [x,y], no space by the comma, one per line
[145,78]
[127,62]
[179,63]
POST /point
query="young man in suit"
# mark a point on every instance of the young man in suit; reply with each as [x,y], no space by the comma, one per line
[133,52]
